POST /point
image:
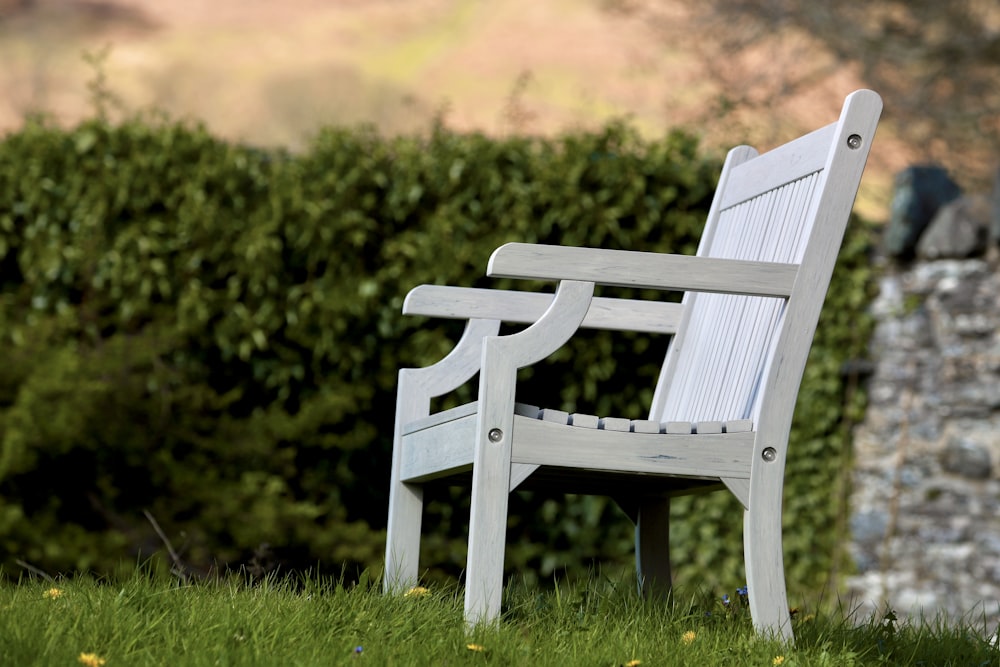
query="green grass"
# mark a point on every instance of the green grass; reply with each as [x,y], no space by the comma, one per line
[146,620]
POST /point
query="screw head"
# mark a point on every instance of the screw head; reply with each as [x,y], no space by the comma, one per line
[769,454]
[495,435]
[854,141]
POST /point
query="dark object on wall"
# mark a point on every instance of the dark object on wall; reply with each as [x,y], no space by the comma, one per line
[919,193]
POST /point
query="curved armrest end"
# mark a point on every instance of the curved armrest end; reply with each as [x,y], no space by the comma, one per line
[460,364]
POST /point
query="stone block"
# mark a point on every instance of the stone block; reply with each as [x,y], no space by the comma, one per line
[958,230]
[966,458]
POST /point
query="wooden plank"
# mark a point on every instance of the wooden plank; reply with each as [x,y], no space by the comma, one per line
[437,418]
[515,307]
[402,544]
[644,426]
[701,456]
[440,418]
[642,269]
[705,427]
[615,424]
[739,426]
[526,410]
[583,421]
[432,453]
[553,415]
[784,164]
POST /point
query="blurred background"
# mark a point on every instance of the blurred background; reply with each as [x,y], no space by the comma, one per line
[271,73]
[210,212]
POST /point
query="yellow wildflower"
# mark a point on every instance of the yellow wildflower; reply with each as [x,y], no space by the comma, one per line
[633,663]
[416,592]
[688,637]
[91,660]
[53,593]
[778,659]
[478,648]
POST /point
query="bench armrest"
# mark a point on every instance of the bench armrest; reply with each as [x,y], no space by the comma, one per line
[526,307]
[646,270]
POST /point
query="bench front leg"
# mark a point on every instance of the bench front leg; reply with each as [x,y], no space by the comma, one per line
[415,389]
[502,357]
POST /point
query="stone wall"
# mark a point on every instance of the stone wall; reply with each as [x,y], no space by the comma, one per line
[925,507]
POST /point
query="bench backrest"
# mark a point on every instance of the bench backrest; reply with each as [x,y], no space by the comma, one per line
[789,205]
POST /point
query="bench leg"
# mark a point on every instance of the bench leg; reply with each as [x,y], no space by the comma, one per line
[487,541]
[765,568]
[402,548]
[652,547]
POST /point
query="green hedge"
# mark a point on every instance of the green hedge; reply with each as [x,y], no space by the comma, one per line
[210,332]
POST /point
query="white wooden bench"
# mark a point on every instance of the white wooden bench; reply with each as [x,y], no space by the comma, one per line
[723,405]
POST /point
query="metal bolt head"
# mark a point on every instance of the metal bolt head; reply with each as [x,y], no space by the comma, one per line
[769,454]
[854,141]
[495,435]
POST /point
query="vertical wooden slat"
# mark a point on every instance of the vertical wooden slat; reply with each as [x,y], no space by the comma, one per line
[724,353]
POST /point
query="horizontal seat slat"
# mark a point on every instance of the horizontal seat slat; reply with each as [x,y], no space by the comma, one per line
[678,428]
[708,427]
[644,426]
[615,424]
[582,420]
[526,410]
[553,415]
[739,426]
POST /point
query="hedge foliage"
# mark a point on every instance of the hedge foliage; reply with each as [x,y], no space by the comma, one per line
[209,333]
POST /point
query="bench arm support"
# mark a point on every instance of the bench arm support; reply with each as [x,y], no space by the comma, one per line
[518,307]
[644,270]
